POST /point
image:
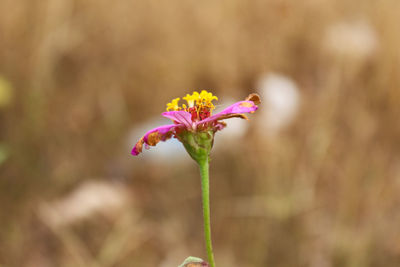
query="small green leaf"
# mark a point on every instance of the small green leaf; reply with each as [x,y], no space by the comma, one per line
[193,262]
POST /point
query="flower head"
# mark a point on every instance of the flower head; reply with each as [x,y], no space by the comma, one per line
[193,124]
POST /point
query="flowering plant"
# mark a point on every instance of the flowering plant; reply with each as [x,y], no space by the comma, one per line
[195,126]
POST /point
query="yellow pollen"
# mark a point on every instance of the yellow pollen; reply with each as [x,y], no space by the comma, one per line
[199,101]
[190,99]
[173,105]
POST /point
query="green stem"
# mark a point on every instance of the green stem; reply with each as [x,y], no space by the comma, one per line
[205,188]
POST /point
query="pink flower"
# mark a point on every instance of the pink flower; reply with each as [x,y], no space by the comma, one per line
[196,117]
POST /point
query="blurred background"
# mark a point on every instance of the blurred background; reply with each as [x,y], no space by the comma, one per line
[313,179]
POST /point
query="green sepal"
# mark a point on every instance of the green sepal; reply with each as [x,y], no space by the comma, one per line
[197,144]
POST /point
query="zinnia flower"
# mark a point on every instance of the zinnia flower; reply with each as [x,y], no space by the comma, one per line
[193,124]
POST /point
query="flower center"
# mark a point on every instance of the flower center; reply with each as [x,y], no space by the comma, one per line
[200,106]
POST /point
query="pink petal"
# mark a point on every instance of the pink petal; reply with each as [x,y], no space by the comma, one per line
[183,117]
[237,108]
[154,136]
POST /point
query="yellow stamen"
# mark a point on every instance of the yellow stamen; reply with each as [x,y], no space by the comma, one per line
[208,97]
[199,101]
[173,105]
[190,99]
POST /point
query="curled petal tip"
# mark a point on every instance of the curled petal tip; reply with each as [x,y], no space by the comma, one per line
[254,97]
[137,149]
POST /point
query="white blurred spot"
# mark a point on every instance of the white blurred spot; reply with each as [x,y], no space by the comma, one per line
[280,102]
[356,39]
[170,151]
[88,199]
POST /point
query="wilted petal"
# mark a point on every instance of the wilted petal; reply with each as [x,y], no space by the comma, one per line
[234,110]
[220,125]
[254,97]
[183,117]
[154,136]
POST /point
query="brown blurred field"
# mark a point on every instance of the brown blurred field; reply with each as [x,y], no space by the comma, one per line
[77,76]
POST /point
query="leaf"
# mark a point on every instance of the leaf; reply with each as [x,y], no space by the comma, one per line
[194,262]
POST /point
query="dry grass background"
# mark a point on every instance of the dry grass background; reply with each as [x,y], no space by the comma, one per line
[324,192]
